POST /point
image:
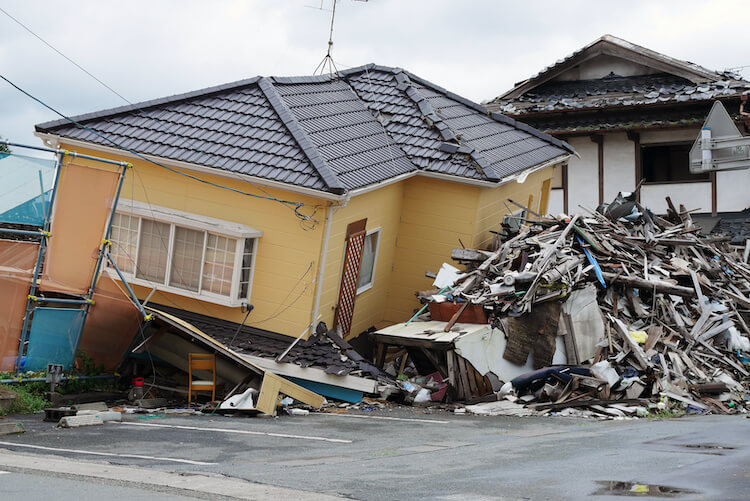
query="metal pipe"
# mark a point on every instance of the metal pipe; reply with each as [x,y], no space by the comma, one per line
[133,297]
[44,380]
[23,232]
[38,299]
[66,152]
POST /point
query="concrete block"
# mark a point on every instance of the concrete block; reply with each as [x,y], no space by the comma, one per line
[93,406]
[78,421]
[105,415]
[11,428]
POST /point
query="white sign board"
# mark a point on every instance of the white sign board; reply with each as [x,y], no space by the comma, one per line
[719,145]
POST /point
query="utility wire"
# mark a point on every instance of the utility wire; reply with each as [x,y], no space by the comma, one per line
[45,42]
[295,206]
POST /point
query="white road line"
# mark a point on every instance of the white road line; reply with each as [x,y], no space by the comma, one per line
[108,454]
[241,432]
[433,421]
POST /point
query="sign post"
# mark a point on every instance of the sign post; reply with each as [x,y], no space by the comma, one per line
[719,145]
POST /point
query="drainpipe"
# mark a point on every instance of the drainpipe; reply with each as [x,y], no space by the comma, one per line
[324,253]
[322,266]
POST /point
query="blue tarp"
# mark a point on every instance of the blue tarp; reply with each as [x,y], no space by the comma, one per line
[25,187]
[53,338]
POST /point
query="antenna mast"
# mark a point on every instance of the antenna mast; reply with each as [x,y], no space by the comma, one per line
[328,59]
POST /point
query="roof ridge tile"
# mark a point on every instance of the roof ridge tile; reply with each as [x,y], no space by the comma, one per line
[287,117]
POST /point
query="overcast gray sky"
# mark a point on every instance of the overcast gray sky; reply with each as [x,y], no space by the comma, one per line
[149,49]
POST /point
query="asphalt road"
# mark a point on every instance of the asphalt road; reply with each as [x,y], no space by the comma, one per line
[400,454]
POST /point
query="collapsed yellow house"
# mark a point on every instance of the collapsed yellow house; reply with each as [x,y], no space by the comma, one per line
[310,198]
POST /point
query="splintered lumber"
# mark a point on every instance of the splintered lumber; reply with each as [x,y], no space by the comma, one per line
[635,348]
[668,308]
[659,285]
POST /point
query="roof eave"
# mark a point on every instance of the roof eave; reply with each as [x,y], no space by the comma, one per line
[53,140]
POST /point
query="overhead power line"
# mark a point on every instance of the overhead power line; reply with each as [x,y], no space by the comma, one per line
[295,206]
[45,42]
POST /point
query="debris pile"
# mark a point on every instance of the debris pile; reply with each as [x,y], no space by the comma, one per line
[650,313]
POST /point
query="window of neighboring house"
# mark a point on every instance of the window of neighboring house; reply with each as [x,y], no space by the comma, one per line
[369,257]
[668,163]
[183,260]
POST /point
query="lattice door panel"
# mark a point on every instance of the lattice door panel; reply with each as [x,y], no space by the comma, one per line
[355,242]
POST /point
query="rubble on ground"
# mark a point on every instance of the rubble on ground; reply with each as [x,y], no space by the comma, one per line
[653,317]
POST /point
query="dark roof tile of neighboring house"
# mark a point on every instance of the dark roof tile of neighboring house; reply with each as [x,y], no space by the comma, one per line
[617,91]
[672,81]
[327,133]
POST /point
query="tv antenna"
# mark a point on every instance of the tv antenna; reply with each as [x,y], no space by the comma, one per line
[327,61]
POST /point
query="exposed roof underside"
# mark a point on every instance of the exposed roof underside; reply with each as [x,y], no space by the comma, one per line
[671,82]
[331,134]
[634,118]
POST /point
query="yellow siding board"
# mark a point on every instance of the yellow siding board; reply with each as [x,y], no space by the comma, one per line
[284,251]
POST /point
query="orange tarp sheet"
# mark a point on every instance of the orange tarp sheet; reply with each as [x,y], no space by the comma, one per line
[17,261]
[82,207]
[111,325]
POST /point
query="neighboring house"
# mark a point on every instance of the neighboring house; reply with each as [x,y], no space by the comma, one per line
[632,115]
[347,189]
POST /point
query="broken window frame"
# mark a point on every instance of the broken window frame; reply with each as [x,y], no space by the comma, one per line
[241,260]
[369,285]
[697,178]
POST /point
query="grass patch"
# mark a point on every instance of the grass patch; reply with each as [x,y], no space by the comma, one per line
[665,413]
[28,401]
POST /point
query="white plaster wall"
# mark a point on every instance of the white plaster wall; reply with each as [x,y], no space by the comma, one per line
[732,190]
[619,165]
[583,182]
[555,206]
[691,195]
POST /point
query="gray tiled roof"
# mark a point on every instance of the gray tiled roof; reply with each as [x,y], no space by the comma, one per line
[617,91]
[331,134]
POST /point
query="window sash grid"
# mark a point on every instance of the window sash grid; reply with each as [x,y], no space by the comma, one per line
[223,245]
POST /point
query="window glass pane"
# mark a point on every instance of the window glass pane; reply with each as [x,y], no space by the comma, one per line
[247,263]
[152,252]
[219,265]
[367,267]
[124,237]
[187,256]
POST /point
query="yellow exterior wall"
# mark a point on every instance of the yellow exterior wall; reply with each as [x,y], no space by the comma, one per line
[435,215]
[283,289]
[382,208]
[493,204]
[421,221]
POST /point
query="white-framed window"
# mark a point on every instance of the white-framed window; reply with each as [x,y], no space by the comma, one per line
[185,254]
[369,259]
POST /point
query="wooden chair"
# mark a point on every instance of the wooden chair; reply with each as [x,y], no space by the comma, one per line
[201,362]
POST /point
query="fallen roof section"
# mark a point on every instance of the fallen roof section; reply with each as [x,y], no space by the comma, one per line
[172,339]
[317,359]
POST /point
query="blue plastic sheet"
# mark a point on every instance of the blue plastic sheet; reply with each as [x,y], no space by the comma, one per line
[53,338]
[25,188]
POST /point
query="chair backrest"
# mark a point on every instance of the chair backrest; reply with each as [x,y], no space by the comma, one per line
[202,361]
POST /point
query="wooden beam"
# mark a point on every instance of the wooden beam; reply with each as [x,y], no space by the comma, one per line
[636,138]
[599,140]
[565,187]
[714,204]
